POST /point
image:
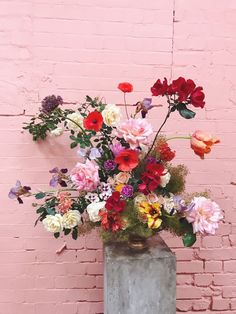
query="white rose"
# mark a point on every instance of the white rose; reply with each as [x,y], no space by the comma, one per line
[53,223]
[56,132]
[111,115]
[139,199]
[71,219]
[77,120]
[93,210]
[165,179]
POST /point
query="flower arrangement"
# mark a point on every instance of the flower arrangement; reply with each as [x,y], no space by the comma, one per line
[126,184]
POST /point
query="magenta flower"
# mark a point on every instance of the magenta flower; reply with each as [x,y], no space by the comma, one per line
[110,165]
[127,191]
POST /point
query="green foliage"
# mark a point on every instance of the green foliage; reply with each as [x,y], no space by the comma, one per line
[40,195]
[189,239]
[184,111]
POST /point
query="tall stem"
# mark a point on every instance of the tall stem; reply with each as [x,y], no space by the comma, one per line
[83,131]
[126,109]
[179,137]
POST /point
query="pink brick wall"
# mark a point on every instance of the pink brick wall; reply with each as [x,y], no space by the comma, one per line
[79,47]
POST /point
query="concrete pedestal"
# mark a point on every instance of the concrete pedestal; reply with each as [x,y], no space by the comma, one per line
[139,282]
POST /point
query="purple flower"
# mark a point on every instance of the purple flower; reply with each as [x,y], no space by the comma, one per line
[18,190]
[109,165]
[180,204]
[116,148]
[151,160]
[50,103]
[146,106]
[59,177]
[127,191]
[92,153]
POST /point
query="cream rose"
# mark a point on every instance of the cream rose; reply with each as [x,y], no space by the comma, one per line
[165,179]
[122,178]
[111,115]
[53,223]
[139,199]
[93,210]
[71,219]
[77,120]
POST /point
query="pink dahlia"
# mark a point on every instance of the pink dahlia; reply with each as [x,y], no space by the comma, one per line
[85,176]
[135,132]
[204,214]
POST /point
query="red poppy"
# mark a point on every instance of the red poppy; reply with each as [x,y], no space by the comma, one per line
[115,203]
[111,221]
[125,87]
[93,121]
[127,160]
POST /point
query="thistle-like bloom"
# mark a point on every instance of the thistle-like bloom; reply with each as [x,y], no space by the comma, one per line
[204,214]
[50,103]
[150,213]
[18,190]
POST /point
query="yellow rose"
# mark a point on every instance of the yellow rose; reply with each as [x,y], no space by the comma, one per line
[111,115]
[71,219]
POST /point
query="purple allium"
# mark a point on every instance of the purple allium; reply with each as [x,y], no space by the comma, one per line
[109,165]
[59,177]
[50,103]
[18,190]
[127,191]
[116,148]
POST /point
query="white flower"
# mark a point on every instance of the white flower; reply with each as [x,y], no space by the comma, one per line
[139,199]
[71,219]
[56,132]
[168,204]
[53,223]
[92,197]
[111,115]
[77,120]
[165,179]
[93,210]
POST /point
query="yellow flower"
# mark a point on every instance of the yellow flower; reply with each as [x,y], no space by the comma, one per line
[119,187]
[151,212]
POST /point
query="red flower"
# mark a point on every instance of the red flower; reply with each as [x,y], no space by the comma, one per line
[115,203]
[125,87]
[127,160]
[151,177]
[93,121]
[166,154]
[159,88]
[197,97]
[182,87]
[111,221]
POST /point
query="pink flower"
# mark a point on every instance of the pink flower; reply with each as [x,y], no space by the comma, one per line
[204,214]
[135,132]
[85,176]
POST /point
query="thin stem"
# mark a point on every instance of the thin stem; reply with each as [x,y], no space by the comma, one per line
[126,108]
[179,137]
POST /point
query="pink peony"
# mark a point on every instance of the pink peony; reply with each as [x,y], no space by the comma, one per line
[85,176]
[135,132]
[204,214]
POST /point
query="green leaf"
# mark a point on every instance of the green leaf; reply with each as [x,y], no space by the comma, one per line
[185,112]
[40,195]
[73,145]
[189,239]
[75,233]
[67,231]
[50,211]
[56,235]
[40,210]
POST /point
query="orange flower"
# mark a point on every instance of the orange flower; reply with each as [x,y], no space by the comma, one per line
[201,143]
[125,87]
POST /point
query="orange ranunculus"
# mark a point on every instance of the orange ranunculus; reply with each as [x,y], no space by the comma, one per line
[125,87]
[202,142]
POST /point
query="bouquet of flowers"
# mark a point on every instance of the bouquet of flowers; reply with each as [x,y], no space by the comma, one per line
[124,182]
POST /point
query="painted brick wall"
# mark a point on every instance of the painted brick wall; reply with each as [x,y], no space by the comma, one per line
[78,47]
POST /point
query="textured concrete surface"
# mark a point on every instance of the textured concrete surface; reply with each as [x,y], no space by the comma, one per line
[139,282]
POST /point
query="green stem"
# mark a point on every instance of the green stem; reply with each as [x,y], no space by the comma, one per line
[126,109]
[179,137]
